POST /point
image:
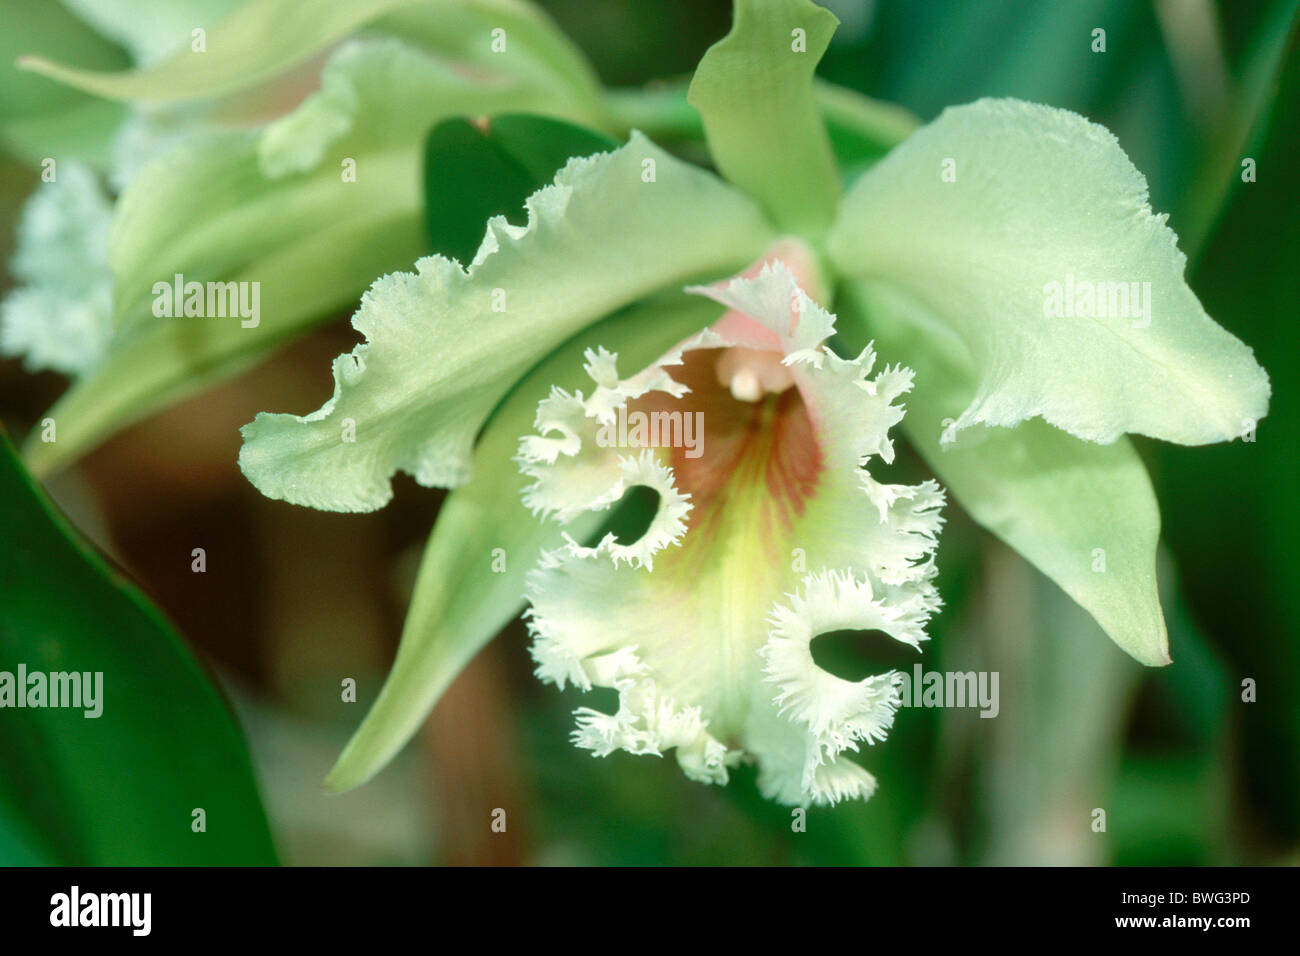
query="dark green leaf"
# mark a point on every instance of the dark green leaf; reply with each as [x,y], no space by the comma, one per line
[473,172]
[120,788]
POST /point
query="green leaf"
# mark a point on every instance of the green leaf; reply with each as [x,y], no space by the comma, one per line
[445,344]
[1242,127]
[273,208]
[754,90]
[118,789]
[996,216]
[949,52]
[1245,513]
[467,590]
[1065,721]
[1083,514]
[473,173]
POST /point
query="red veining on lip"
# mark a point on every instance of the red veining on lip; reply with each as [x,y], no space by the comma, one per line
[770,441]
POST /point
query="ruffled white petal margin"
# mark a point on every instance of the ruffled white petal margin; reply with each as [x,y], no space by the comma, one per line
[716,663]
[59,316]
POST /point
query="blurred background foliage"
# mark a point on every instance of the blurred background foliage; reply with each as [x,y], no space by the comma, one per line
[295,600]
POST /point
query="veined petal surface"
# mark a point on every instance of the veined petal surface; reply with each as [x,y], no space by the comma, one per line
[273,208]
[1027,230]
[471,578]
[445,343]
[1083,514]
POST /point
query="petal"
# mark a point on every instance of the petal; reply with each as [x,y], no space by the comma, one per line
[151,32]
[471,578]
[861,129]
[227,199]
[1083,514]
[256,41]
[60,315]
[312,240]
[1044,207]
[260,39]
[754,92]
[444,344]
[837,712]
[769,532]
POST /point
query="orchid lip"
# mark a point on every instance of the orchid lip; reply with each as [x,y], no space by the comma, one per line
[703,625]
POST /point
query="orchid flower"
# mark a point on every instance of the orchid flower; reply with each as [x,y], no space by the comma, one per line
[947,252]
[997,287]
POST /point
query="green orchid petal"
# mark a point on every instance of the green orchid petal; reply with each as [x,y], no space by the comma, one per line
[998,216]
[256,41]
[754,90]
[471,579]
[510,36]
[1083,514]
[376,101]
[861,129]
[264,38]
[151,31]
[164,362]
[444,344]
[211,210]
